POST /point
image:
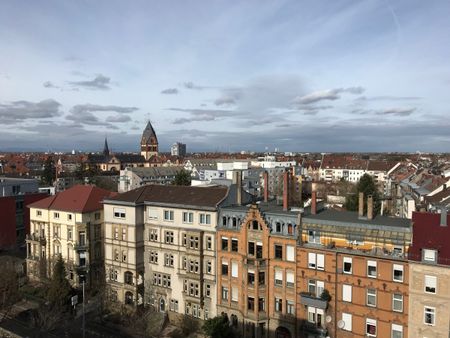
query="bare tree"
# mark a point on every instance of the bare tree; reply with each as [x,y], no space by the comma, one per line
[9,285]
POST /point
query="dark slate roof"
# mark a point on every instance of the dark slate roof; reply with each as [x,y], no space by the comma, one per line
[148,133]
[130,158]
[350,218]
[173,195]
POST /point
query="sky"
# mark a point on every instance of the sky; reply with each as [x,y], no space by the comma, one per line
[307,76]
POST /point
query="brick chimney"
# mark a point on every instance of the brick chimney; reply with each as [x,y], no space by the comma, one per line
[370,207]
[361,205]
[286,180]
[314,202]
[266,186]
[238,187]
[443,216]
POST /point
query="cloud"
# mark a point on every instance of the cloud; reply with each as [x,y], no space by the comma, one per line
[170,91]
[202,114]
[312,109]
[191,85]
[387,98]
[49,84]
[23,110]
[386,111]
[225,101]
[328,94]
[100,82]
[83,113]
[118,118]
[396,111]
[81,108]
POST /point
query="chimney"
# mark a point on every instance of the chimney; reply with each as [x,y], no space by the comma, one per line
[266,186]
[286,190]
[238,187]
[443,216]
[361,205]
[370,207]
[314,202]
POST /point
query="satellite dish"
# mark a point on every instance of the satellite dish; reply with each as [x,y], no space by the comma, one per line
[328,319]
[341,324]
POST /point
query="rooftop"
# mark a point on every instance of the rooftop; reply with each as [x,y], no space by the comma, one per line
[80,198]
[173,195]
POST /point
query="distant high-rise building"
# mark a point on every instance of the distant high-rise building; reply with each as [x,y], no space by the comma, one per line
[149,142]
[178,149]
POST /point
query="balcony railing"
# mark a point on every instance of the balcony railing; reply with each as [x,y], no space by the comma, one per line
[35,237]
[80,246]
[310,300]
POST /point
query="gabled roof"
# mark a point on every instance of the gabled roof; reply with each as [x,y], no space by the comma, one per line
[80,198]
[174,195]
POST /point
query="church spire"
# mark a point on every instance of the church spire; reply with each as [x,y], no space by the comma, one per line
[149,142]
[106,148]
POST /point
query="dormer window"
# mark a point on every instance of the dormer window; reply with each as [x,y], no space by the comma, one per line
[429,255]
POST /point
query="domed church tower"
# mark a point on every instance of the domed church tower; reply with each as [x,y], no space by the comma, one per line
[149,142]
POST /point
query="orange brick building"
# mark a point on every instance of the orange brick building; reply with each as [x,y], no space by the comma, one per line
[361,263]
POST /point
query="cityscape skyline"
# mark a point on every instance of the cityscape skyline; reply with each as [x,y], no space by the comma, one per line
[368,76]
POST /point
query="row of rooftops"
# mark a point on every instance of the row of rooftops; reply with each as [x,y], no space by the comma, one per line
[425,229]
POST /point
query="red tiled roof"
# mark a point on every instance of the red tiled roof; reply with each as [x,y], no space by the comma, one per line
[80,198]
[343,162]
[380,165]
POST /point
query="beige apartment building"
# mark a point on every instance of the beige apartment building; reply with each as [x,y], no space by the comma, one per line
[69,224]
[429,270]
[165,236]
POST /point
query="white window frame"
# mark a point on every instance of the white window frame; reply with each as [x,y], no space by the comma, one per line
[205,219]
[278,277]
[234,269]
[373,322]
[398,300]
[290,279]
[152,213]
[188,217]
[320,261]
[312,260]
[397,267]
[290,253]
[347,319]
[168,215]
[119,213]
[234,294]
[432,310]
[346,293]
[397,328]
[430,281]
[427,253]
[372,264]
[347,260]
[370,294]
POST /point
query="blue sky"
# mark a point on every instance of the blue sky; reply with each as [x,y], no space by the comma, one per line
[226,75]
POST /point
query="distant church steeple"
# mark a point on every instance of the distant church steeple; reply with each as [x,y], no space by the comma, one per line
[106,148]
[149,142]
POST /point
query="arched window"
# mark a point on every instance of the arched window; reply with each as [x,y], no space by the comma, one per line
[129,299]
[128,278]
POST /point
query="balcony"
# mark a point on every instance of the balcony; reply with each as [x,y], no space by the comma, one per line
[316,329]
[80,246]
[311,300]
[35,237]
